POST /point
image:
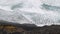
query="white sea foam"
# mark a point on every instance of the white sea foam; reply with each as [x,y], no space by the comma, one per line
[27,11]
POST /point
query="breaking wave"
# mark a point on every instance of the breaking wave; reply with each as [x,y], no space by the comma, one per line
[29,11]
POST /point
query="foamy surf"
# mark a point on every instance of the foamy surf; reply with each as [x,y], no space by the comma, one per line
[28,11]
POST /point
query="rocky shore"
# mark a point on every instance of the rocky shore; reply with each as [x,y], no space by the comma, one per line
[14,28]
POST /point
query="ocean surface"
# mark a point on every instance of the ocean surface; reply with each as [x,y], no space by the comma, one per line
[38,12]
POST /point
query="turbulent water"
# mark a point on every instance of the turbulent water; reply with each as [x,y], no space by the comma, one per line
[39,12]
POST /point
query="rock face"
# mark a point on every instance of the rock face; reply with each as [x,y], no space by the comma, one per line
[11,28]
[54,29]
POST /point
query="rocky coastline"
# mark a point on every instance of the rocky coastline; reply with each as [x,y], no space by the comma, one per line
[14,28]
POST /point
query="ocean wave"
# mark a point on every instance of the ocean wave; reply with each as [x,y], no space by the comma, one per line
[28,11]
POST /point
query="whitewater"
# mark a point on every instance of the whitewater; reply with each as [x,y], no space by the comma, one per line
[38,12]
